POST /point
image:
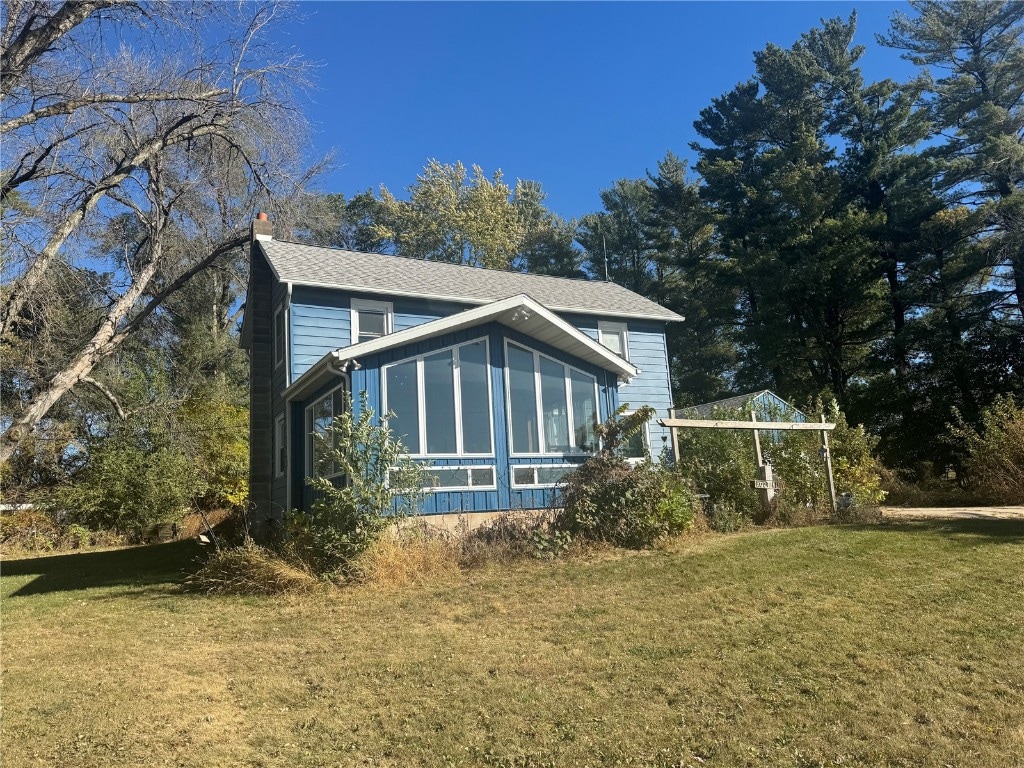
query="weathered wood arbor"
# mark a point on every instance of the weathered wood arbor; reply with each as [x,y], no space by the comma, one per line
[765,483]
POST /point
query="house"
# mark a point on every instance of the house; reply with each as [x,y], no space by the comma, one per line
[496,379]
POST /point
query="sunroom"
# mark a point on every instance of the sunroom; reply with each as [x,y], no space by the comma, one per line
[497,402]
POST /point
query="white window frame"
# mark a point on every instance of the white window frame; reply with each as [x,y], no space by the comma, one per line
[279,347]
[512,474]
[280,442]
[422,405]
[446,488]
[573,450]
[645,437]
[359,305]
[607,328]
[308,419]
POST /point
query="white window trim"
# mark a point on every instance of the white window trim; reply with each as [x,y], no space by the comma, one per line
[308,438]
[444,489]
[279,348]
[573,450]
[421,403]
[606,327]
[358,305]
[645,436]
[280,440]
[512,474]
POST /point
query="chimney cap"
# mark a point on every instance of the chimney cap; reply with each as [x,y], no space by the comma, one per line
[261,216]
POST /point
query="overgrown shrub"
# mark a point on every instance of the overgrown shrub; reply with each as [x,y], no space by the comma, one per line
[994,453]
[133,480]
[506,538]
[35,530]
[607,499]
[374,485]
[722,463]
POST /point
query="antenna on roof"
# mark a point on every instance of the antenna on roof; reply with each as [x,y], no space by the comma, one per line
[604,247]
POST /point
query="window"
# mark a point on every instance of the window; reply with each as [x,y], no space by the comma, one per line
[614,336]
[279,336]
[459,478]
[319,417]
[280,446]
[637,447]
[441,402]
[540,475]
[552,407]
[370,319]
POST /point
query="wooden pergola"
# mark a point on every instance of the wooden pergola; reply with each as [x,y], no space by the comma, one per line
[765,484]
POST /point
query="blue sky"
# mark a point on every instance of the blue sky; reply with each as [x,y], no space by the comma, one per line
[574,95]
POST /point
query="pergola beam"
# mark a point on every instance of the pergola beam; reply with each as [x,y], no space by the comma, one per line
[763,426]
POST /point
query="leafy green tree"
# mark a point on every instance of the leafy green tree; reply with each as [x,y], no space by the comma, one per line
[451,218]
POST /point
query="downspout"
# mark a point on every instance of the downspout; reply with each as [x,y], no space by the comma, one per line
[288,335]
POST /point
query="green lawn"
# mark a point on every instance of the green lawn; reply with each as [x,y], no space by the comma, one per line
[885,646]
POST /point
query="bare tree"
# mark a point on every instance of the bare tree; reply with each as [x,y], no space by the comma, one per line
[177,117]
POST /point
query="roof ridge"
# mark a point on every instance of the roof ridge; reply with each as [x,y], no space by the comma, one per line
[509,271]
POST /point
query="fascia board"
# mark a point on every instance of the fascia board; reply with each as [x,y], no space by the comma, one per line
[439,327]
[674,318]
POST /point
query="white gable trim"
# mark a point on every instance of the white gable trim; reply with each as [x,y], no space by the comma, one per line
[513,311]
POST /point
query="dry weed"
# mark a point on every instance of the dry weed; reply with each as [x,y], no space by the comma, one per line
[251,570]
[408,556]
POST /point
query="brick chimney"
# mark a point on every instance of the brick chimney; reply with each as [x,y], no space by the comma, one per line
[262,229]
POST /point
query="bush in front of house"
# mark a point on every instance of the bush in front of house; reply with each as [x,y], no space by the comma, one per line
[365,483]
[133,480]
[607,499]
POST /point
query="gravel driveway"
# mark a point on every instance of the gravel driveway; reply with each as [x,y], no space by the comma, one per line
[953,513]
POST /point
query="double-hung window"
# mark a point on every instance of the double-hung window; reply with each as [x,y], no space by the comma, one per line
[615,336]
[441,402]
[637,446]
[371,319]
[552,406]
[319,416]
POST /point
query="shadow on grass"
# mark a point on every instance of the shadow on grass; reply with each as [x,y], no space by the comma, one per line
[989,527]
[133,567]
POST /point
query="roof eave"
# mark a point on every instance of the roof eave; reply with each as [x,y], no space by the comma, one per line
[311,378]
[669,317]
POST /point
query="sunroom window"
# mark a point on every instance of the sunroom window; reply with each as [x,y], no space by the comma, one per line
[441,402]
[552,406]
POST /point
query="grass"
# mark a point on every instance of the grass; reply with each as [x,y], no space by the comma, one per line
[883,646]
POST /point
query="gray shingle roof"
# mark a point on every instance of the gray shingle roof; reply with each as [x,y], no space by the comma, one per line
[736,403]
[379,273]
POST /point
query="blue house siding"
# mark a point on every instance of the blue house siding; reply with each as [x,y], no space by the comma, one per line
[319,324]
[368,378]
[648,351]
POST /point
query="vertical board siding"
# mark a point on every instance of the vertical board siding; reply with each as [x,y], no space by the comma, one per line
[320,322]
[261,423]
[278,383]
